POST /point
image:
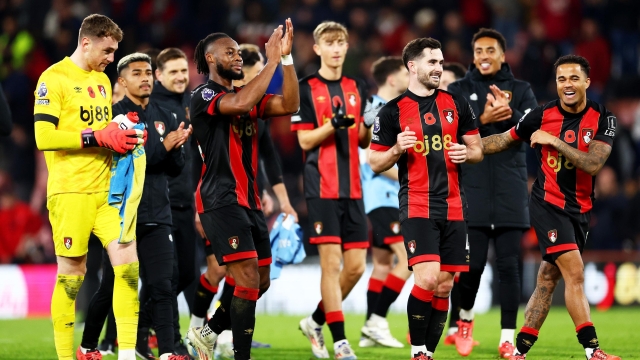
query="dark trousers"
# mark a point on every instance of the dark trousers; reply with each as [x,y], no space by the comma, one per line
[184,269]
[507,247]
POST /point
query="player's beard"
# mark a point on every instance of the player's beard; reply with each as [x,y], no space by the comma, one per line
[229,74]
[425,79]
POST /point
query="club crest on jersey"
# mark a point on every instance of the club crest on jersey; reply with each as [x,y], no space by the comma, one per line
[208,94]
[234,241]
[587,135]
[352,99]
[448,114]
[160,127]
[508,94]
[569,136]
[553,235]
[68,242]
[42,90]
[317,226]
[102,91]
[91,92]
[395,227]
[412,246]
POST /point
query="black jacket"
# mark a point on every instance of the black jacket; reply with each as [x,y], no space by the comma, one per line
[496,188]
[154,206]
[183,186]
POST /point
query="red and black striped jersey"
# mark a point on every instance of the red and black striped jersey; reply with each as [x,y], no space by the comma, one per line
[560,182]
[429,181]
[229,146]
[332,170]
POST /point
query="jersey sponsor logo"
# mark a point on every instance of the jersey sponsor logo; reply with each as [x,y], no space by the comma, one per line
[78,89]
[508,94]
[569,136]
[42,90]
[91,92]
[587,135]
[429,119]
[208,94]
[395,227]
[89,115]
[160,127]
[553,235]
[42,102]
[234,241]
[317,226]
[412,246]
[448,114]
[376,125]
[556,164]
[436,143]
[68,242]
[102,91]
[352,99]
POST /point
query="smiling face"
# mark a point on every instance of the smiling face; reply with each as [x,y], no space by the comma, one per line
[174,75]
[98,52]
[428,68]
[488,56]
[226,57]
[137,79]
[572,84]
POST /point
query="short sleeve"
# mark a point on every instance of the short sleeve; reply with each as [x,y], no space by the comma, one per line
[262,105]
[48,97]
[205,100]
[466,117]
[527,125]
[305,117]
[606,127]
[385,128]
[364,94]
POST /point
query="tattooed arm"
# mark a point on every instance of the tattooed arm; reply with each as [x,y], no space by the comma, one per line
[498,143]
[590,162]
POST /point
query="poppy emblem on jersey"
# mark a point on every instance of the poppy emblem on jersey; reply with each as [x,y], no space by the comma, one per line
[553,235]
[395,227]
[234,241]
[429,119]
[42,90]
[102,91]
[160,127]
[448,114]
[412,246]
[587,135]
[569,136]
[352,99]
[208,94]
[508,94]
[68,242]
[91,93]
[317,226]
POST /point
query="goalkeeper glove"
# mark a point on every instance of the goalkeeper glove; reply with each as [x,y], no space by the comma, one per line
[113,138]
[339,120]
[370,114]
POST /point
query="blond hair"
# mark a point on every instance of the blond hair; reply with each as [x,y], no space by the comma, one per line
[332,30]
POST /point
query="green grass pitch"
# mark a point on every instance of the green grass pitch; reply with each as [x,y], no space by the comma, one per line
[617,331]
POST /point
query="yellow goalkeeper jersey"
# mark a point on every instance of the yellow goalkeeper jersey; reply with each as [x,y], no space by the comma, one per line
[74,100]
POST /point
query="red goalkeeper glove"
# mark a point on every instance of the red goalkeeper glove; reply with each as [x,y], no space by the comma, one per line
[112,137]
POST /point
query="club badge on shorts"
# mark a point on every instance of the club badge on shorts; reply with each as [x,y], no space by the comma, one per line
[318,227]
[234,241]
[412,246]
[68,242]
[395,227]
[553,235]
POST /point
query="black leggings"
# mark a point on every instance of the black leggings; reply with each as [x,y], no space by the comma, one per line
[507,247]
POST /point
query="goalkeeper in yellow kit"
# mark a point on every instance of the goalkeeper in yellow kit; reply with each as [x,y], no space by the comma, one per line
[73,127]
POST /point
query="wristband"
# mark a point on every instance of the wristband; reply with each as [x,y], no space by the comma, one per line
[286,59]
[88,139]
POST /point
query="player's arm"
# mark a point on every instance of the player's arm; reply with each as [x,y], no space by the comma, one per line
[590,162]
[304,122]
[526,126]
[389,142]
[527,104]
[499,142]
[392,173]
[364,136]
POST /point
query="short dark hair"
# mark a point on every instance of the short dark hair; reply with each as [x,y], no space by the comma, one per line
[153,54]
[198,55]
[250,54]
[573,59]
[490,33]
[385,66]
[131,58]
[169,54]
[413,50]
[99,26]
[456,68]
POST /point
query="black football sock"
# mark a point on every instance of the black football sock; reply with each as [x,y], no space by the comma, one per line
[587,336]
[203,297]
[221,319]
[318,315]
[335,320]
[373,292]
[419,312]
[440,307]
[243,313]
[525,339]
[392,287]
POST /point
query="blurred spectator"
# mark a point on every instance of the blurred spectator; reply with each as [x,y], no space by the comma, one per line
[608,214]
[537,62]
[561,18]
[625,35]
[595,48]
[506,18]
[15,44]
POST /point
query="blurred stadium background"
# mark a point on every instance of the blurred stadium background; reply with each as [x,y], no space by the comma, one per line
[38,33]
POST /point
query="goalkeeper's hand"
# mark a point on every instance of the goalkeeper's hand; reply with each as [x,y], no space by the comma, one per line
[339,120]
[370,114]
[113,138]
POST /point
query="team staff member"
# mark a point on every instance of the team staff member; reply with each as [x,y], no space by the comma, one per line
[572,138]
[71,113]
[496,188]
[330,129]
[428,133]
[155,247]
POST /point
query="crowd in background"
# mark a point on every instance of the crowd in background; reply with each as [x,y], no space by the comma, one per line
[38,33]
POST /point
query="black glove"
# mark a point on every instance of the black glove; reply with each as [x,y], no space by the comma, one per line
[339,120]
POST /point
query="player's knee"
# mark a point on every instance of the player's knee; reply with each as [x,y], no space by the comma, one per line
[508,269]
[354,271]
[246,275]
[160,290]
[428,282]
[331,266]
[444,289]
[214,276]
[380,271]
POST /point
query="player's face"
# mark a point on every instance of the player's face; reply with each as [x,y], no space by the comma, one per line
[428,68]
[138,79]
[174,75]
[401,80]
[572,84]
[447,78]
[99,52]
[228,61]
[487,56]
[332,49]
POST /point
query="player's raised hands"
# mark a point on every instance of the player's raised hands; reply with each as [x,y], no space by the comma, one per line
[496,108]
[176,138]
[405,140]
[542,138]
[273,47]
[287,41]
[500,98]
[457,153]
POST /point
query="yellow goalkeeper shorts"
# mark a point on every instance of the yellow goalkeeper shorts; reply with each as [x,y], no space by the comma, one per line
[75,216]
